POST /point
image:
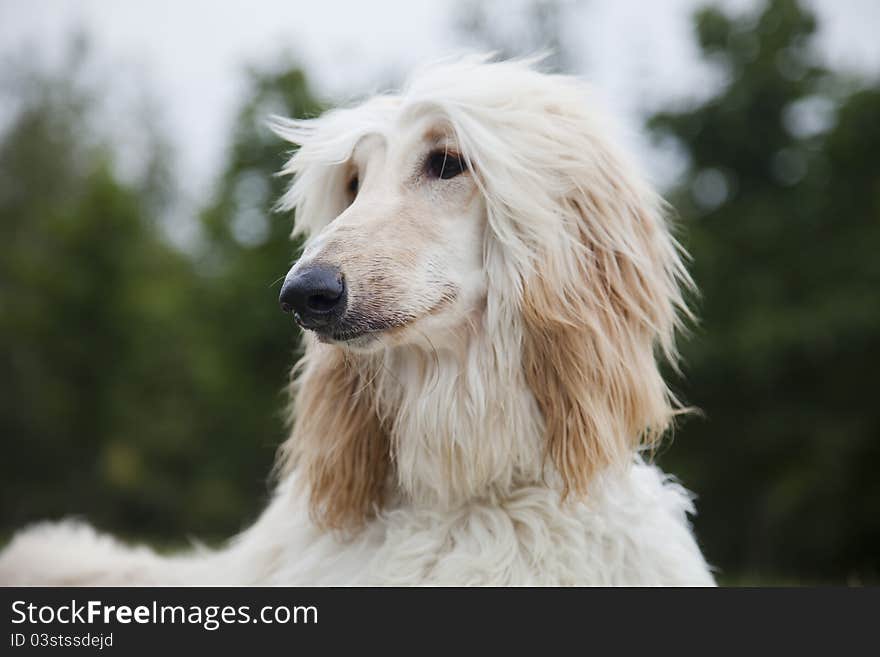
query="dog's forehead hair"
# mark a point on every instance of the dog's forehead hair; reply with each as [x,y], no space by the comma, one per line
[410,133]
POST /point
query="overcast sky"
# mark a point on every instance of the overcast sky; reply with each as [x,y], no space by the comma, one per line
[192,53]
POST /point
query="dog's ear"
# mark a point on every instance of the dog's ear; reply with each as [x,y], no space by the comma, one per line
[598,300]
[337,442]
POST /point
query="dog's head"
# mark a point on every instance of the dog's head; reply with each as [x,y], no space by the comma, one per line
[485,197]
[397,255]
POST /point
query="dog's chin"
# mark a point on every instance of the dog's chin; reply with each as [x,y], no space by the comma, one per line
[365,341]
[362,339]
[377,333]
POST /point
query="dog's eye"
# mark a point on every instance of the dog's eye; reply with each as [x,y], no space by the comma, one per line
[353,185]
[444,165]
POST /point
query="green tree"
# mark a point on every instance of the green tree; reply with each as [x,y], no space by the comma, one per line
[134,376]
[88,291]
[781,212]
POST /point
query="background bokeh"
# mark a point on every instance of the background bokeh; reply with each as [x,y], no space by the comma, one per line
[143,358]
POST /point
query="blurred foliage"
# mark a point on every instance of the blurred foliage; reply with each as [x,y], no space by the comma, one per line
[781,212]
[141,384]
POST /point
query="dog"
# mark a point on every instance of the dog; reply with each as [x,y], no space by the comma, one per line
[487,289]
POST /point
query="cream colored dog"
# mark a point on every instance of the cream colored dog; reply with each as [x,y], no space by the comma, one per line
[487,284]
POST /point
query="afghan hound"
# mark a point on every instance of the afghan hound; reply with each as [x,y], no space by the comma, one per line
[487,288]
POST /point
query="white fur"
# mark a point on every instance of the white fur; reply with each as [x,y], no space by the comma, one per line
[636,533]
[472,497]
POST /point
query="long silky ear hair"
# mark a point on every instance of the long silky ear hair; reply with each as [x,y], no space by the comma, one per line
[579,246]
[337,440]
[595,308]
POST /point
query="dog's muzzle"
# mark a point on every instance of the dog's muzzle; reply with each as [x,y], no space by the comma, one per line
[316,295]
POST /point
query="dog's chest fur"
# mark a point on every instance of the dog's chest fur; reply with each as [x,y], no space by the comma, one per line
[633,532]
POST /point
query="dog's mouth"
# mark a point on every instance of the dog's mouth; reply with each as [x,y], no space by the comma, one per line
[357,333]
[349,338]
[353,328]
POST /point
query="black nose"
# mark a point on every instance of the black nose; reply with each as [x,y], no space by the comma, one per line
[316,295]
